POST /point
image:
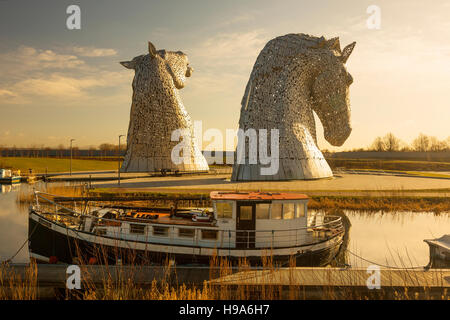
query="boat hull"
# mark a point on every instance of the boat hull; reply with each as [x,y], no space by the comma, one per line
[10,180]
[50,242]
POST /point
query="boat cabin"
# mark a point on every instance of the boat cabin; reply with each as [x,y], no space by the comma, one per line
[264,212]
[244,220]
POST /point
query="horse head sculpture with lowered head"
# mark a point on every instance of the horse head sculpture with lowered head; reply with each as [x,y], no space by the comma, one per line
[157,112]
[293,76]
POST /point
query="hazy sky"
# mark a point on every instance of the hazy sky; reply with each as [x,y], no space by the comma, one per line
[57,84]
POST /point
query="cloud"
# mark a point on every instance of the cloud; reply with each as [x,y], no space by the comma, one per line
[236,49]
[31,75]
[7,94]
[237,19]
[63,86]
[31,59]
[94,52]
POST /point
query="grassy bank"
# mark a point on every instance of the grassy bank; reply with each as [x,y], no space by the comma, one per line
[402,165]
[393,204]
[40,165]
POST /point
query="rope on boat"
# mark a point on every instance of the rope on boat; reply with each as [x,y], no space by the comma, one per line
[382,265]
[21,247]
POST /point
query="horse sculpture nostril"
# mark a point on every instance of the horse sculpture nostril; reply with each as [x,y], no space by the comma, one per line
[189,71]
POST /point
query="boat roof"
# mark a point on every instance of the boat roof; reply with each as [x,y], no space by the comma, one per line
[251,195]
[443,242]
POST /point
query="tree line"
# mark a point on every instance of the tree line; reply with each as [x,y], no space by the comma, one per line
[422,143]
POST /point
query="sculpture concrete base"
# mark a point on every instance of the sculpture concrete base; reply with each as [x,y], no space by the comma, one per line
[307,169]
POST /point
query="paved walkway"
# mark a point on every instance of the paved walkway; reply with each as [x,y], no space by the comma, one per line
[363,184]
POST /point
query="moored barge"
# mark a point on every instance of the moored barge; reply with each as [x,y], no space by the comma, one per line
[250,225]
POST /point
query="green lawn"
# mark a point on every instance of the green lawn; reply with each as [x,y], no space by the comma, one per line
[39,165]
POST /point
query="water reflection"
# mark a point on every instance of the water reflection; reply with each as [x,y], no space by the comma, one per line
[394,239]
[5,188]
[13,224]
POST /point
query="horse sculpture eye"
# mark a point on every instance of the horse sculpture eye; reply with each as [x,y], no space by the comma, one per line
[349,79]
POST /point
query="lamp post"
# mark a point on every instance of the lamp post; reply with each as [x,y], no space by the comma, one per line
[71,155]
[118,161]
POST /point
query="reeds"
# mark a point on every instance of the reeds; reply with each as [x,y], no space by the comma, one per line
[16,286]
[227,281]
[59,189]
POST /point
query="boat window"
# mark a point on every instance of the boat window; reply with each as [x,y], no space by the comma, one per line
[277,209]
[161,231]
[299,210]
[288,211]
[100,231]
[262,210]
[209,234]
[245,212]
[45,223]
[224,210]
[137,228]
[186,233]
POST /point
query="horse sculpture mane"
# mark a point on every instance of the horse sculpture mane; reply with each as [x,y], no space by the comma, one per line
[293,76]
[157,111]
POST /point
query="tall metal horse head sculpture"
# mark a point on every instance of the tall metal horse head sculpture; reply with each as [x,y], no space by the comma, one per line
[293,76]
[157,111]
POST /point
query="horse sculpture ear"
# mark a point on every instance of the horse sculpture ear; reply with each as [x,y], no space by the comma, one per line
[347,51]
[331,44]
[334,44]
[151,49]
[128,64]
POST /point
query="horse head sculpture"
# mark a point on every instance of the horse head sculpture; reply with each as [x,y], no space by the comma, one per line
[157,111]
[294,76]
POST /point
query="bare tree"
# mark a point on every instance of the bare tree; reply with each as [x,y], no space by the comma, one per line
[106,147]
[60,150]
[391,142]
[91,151]
[437,145]
[75,151]
[378,145]
[421,143]
[47,151]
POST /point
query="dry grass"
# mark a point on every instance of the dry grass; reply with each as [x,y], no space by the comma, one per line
[392,204]
[120,284]
[14,286]
[399,165]
[56,189]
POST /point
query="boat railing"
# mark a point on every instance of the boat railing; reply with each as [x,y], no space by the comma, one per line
[201,236]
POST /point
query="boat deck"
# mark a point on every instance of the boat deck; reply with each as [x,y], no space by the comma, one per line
[162,218]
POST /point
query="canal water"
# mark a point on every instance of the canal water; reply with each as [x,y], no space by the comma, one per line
[385,238]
